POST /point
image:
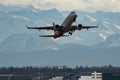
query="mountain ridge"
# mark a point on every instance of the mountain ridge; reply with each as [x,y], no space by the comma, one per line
[20,47]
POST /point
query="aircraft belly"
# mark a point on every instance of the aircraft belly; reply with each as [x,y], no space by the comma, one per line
[68,22]
[67,26]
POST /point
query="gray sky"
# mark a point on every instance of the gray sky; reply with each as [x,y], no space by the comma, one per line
[61,5]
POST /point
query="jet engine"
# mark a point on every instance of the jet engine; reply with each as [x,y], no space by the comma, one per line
[79,27]
[57,27]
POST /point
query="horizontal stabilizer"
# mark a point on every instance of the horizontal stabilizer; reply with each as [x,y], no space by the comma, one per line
[46,35]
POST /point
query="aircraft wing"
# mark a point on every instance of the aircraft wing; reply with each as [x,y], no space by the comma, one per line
[82,27]
[87,27]
[41,28]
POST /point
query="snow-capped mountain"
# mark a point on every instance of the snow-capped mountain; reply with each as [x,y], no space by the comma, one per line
[83,47]
[28,49]
[18,43]
[14,20]
[111,42]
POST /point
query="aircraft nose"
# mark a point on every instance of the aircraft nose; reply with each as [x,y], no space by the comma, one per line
[74,14]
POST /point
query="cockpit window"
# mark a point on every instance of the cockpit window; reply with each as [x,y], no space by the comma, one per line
[72,12]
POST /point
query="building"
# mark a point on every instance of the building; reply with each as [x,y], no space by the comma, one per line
[94,76]
[57,78]
[85,78]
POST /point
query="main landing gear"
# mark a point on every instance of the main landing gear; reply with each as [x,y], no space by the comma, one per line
[70,33]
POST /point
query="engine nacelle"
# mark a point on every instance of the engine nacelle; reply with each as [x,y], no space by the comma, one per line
[57,27]
[79,27]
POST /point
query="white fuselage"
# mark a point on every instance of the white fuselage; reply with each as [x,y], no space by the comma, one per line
[66,25]
[68,21]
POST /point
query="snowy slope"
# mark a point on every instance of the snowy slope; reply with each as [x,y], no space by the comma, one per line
[13,21]
[111,42]
[29,50]
[18,43]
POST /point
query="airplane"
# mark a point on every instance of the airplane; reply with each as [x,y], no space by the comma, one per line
[66,27]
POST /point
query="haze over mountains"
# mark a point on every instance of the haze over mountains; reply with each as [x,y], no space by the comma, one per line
[19,46]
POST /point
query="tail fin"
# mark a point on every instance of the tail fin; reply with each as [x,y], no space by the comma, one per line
[53,24]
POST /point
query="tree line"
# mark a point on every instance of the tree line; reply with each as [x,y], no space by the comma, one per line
[57,69]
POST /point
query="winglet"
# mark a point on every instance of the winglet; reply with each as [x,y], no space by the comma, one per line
[97,25]
[27,27]
[53,24]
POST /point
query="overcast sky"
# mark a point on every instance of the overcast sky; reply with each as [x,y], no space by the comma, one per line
[61,5]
